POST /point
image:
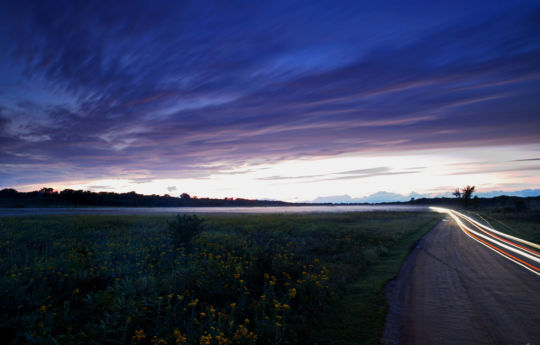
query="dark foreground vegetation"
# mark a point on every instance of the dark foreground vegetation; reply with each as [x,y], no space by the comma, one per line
[260,279]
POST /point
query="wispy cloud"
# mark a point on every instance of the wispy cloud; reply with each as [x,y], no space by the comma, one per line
[173,87]
[276,178]
[498,169]
[350,175]
[526,160]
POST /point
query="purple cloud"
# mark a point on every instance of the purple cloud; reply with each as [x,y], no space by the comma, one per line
[169,89]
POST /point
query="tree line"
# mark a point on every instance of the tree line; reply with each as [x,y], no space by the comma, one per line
[44,197]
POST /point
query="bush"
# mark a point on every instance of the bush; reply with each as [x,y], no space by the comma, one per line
[184,229]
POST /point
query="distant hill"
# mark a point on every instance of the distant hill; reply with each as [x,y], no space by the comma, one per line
[385,197]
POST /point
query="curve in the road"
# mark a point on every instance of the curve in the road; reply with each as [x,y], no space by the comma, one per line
[451,291]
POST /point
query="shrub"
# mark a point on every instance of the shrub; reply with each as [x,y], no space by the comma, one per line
[184,229]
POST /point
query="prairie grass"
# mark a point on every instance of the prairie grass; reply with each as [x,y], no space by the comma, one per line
[257,279]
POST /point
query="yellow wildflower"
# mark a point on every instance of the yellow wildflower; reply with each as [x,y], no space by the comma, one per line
[193,303]
[206,339]
[292,293]
[160,342]
[139,335]
[223,340]
[179,337]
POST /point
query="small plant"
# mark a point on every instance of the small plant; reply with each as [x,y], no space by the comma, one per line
[184,229]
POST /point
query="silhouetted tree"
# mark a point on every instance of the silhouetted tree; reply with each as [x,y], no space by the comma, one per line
[467,192]
[68,197]
[46,190]
[8,192]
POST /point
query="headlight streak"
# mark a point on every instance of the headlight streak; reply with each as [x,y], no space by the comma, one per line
[498,232]
[477,235]
[478,238]
[511,243]
[487,238]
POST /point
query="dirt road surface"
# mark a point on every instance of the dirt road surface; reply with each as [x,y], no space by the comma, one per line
[453,290]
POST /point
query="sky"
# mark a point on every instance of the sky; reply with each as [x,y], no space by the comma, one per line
[288,100]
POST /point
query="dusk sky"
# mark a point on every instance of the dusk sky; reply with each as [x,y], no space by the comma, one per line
[281,100]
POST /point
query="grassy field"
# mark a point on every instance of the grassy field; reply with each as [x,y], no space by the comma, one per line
[258,279]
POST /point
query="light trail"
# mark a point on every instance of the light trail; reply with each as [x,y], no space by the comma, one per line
[506,255]
[471,220]
[511,243]
[519,253]
[492,240]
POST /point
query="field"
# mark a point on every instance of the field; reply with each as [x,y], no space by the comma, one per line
[258,279]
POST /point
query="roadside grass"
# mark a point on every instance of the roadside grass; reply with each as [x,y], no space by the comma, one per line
[359,316]
[251,279]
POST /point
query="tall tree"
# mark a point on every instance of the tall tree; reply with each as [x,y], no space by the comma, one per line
[467,192]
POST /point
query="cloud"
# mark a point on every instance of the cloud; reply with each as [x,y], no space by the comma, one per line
[359,176]
[526,160]
[349,175]
[177,87]
[99,188]
[171,189]
[369,171]
[366,173]
[498,169]
[276,178]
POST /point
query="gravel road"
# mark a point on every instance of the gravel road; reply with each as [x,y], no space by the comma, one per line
[453,290]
